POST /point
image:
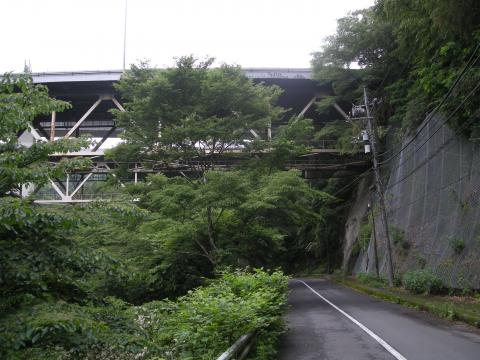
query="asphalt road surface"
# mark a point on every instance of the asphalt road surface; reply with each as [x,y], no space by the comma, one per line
[331,322]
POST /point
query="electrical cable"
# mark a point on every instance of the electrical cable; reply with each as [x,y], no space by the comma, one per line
[472,92]
[433,192]
[472,118]
[352,182]
[410,55]
[445,98]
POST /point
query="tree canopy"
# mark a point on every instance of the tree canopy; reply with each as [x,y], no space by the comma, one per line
[255,215]
[80,281]
[20,102]
[192,111]
[409,54]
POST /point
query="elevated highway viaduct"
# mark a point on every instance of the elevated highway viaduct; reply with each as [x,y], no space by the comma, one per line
[92,95]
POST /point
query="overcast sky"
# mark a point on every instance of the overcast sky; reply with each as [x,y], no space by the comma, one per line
[58,35]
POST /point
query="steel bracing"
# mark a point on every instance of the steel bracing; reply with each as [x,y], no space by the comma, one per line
[92,96]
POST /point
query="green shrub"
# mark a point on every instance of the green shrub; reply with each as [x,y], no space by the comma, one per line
[457,244]
[422,282]
[365,234]
[398,238]
[422,262]
[200,325]
[205,322]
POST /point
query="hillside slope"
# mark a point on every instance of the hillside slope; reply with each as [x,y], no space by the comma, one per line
[433,203]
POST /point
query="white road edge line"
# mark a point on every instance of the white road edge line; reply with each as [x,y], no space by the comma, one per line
[382,342]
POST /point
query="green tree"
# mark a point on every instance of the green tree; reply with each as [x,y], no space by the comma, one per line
[237,218]
[20,102]
[30,246]
[194,113]
[38,263]
[409,53]
[191,112]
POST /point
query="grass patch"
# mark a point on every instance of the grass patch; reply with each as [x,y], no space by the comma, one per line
[461,308]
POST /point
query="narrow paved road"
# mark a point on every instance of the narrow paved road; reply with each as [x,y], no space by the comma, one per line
[331,322]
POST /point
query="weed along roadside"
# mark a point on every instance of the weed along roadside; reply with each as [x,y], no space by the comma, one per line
[433,298]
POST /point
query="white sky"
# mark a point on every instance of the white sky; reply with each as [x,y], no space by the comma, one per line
[59,35]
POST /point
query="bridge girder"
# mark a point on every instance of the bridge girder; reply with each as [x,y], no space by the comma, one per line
[92,95]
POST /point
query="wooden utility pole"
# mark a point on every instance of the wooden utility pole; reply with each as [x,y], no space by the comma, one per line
[379,186]
[374,232]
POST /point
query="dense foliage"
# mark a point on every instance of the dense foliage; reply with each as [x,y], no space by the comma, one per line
[35,258]
[205,322]
[39,265]
[256,214]
[422,282]
[165,243]
[20,103]
[408,53]
[199,325]
[191,111]
[88,281]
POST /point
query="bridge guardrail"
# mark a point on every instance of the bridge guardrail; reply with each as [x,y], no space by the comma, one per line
[240,348]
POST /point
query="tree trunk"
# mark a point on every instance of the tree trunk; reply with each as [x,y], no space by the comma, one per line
[211,229]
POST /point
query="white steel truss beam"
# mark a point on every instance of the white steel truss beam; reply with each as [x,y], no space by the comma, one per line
[305,109]
[66,197]
[117,104]
[341,112]
[107,135]
[57,190]
[80,185]
[52,126]
[254,133]
[35,133]
[84,117]
[308,106]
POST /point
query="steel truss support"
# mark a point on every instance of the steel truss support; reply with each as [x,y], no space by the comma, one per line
[34,133]
[84,117]
[306,108]
[341,112]
[107,135]
[52,126]
[77,125]
[254,133]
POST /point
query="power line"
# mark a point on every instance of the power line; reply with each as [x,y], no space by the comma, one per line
[371,134]
[354,181]
[473,117]
[472,92]
[433,192]
[445,98]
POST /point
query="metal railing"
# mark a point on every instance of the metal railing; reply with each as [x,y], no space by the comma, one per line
[240,348]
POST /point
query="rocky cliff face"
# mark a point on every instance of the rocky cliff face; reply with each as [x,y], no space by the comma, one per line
[433,204]
[356,215]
